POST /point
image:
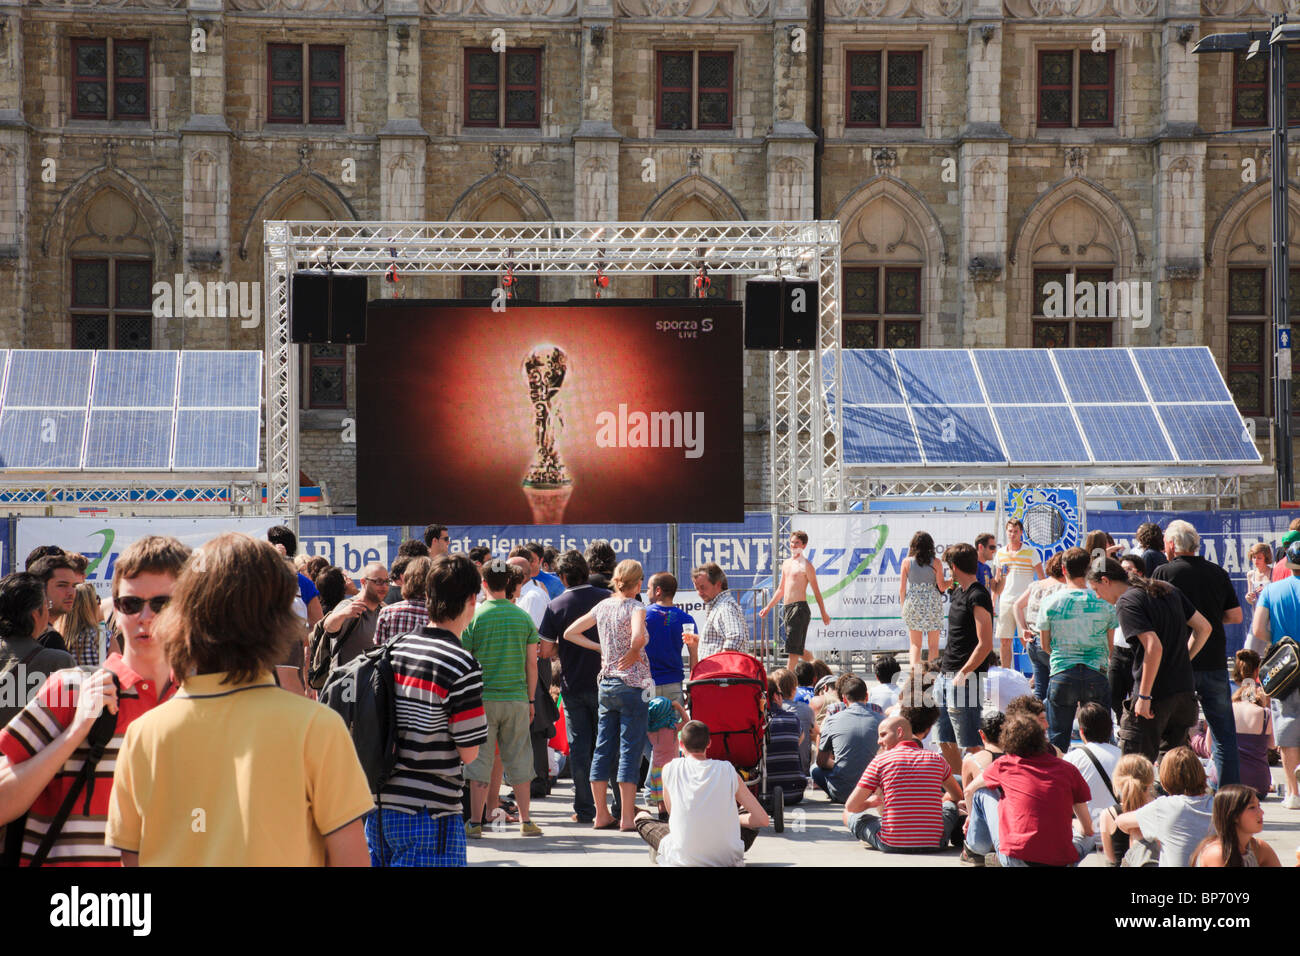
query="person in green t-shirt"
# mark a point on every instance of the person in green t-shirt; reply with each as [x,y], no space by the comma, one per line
[504,640]
[1076,628]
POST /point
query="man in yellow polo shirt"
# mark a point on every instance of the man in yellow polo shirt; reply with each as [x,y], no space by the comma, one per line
[235,771]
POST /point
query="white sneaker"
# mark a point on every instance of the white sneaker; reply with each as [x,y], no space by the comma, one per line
[1291,803]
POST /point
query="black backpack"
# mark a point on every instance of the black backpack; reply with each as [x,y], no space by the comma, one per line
[364,693]
[1279,671]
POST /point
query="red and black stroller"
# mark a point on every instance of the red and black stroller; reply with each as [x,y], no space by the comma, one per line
[728,691]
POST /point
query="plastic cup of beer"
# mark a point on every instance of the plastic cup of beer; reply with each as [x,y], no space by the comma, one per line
[689,637]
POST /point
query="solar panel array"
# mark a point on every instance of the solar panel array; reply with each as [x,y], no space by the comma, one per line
[1037,407]
[130,410]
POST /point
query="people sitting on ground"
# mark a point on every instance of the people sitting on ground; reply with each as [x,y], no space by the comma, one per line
[1030,822]
[1096,757]
[913,792]
[783,735]
[1253,713]
[805,674]
[1033,707]
[826,699]
[1238,817]
[661,727]
[885,694]
[847,742]
[1002,685]
[702,795]
[991,724]
[1181,818]
[1134,782]
[786,684]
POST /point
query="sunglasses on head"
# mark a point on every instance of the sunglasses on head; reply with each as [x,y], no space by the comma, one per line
[129,604]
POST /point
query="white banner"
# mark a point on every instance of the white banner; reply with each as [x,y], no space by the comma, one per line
[102,540]
[857,559]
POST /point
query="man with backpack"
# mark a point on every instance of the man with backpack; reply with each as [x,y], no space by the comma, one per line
[45,746]
[1277,617]
[349,629]
[437,689]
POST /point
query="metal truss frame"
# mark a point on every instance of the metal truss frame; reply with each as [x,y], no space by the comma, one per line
[806,463]
[244,492]
[1149,491]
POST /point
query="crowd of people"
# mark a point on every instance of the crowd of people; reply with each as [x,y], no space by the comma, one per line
[137,729]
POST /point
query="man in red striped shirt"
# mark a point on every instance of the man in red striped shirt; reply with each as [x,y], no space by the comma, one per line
[907,784]
[44,746]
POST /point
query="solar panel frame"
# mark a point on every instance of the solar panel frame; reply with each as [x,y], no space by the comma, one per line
[1096,376]
[1006,384]
[45,379]
[187,401]
[859,419]
[135,428]
[250,369]
[1159,367]
[931,423]
[859,389]
[30,424]
[166,368]
[1065,417]
[182,438]
[1101,424]
[917,366]
[1174,415]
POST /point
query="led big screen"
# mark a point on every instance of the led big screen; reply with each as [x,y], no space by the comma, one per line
[615,411]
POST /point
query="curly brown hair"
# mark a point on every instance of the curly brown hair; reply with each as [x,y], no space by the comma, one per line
[1022,736]
[231,612]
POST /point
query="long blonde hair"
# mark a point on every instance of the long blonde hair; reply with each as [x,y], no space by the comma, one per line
[80,626]
[1134,777]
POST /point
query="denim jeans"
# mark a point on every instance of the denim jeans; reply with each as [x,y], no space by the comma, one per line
[1068,689]
[982,827]
[1042,668]
[1083,845]
[621,736]
[821,778]
[581,714]
[1216,702]
[866,826]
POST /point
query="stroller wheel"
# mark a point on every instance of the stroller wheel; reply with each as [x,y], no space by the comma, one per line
[778,810]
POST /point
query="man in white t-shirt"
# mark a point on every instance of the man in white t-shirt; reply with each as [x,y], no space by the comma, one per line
[1095,728]
[1003,685]
[1015,567]
[701,796]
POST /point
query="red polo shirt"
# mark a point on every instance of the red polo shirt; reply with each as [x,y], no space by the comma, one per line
[81,841]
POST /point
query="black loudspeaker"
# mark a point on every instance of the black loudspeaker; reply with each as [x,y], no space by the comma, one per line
[763,314]
[327,308]
[781,314]
[799,309]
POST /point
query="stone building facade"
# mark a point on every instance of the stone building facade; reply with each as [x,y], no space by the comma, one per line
[972,150]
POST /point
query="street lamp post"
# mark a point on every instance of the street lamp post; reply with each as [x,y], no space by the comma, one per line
[1277,40]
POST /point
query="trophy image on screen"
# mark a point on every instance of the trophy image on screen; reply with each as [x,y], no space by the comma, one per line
[547,485]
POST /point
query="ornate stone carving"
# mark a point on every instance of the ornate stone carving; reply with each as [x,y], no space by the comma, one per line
[1182,269]
[694,9]
[695,159]
[885,160]
[896,9]
[77,4]
[306,6]
[983,269]
[500,158]
[1076,161]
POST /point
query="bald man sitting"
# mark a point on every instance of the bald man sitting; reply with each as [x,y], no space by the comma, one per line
[906,785]
[351,625]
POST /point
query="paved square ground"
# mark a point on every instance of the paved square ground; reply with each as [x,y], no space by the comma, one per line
[814,836]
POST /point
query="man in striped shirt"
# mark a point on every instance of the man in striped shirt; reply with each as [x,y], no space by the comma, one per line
[409,614]
[44,746]
[440,726]
[907,783]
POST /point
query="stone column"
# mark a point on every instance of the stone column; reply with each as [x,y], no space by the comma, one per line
[15,243]
[596,141]
[205,146]
[790,144]
[1178,313]
[981,189]
[403,141]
